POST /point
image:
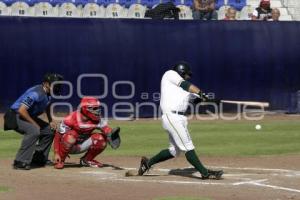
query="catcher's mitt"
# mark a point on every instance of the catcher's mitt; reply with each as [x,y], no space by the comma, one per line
[113,138]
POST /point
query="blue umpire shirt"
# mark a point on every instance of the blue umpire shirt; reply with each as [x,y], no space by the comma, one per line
[35,98]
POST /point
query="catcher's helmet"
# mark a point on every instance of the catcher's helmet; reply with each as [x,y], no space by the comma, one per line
[90,107]
[51,78]
[183,68]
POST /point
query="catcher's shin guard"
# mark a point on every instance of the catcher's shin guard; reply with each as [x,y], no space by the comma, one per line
[65,146]
[98,145]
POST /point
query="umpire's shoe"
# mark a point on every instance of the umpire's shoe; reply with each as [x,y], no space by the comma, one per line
[21,165]
[213,174]
[144,167]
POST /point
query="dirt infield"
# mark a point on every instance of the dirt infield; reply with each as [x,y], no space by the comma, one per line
[268,177]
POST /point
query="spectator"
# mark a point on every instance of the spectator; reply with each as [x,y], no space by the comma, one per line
[263,12]
[275,14]
[204,10]
[230,14]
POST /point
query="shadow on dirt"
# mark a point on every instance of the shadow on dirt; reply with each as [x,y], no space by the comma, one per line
[185,172]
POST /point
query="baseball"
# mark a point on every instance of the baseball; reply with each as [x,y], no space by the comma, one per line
[258,127]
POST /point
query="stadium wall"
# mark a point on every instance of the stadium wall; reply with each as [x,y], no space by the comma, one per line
[236,60]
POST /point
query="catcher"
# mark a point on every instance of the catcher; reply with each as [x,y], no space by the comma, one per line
[75,135]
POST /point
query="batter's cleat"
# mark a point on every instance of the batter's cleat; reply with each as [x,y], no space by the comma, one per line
[21,165]
[59,165]
[90,163]
[144,167]
[213,174]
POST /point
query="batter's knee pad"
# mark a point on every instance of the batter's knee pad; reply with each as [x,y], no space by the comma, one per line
[98,145]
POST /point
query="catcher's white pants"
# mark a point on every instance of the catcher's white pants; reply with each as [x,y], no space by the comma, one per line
[179,136]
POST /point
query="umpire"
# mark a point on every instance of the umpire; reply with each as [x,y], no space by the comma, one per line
[23,118]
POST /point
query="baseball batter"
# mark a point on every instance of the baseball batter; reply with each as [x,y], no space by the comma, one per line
[176,92]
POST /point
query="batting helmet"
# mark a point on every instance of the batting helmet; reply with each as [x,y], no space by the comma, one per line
[183,69]
[90,107]
[51,78]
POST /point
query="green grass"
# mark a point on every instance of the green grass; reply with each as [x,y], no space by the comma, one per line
[212,138]
[4,189]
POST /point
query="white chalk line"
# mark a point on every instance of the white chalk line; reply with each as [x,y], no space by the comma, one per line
[251,182]
[276,187]
[247,181]
[237,168]
[164,181]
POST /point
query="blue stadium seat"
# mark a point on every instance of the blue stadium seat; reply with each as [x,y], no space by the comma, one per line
[81,2]
[150,3]
[56,2]
[219,3]
[189,3]
[127,3]
[237,4]
[29,2]
[9,2]
[105,2]
[176,2]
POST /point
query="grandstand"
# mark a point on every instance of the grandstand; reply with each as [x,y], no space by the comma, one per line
[290,9]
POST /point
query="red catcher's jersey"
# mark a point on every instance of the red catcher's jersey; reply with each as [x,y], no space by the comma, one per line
[74,122]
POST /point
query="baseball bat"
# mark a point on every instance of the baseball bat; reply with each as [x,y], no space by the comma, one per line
[249,103]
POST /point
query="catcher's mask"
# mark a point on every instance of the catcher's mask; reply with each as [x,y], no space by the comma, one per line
[90,107]
[183,69]
[51,78]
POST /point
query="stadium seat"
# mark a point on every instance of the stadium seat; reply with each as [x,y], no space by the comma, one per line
[4,10]
[105,2]
[150,3]
[189,3]
[45,9]
[253,3]
[237,4]
[286,18]
[127,3]
[219,4]
[246,13]
[175,2]
[79,2]
[222,12]
[136,11]
[21,9]
[93,10]
[115,11]
[68,10]
[283,11]
[185,12]
[54,3]
[8,2]
[276,4]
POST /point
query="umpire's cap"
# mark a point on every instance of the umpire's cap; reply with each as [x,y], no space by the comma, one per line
[183,68]
[51,78]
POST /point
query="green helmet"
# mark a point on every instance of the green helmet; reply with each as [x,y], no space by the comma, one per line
[183,68]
